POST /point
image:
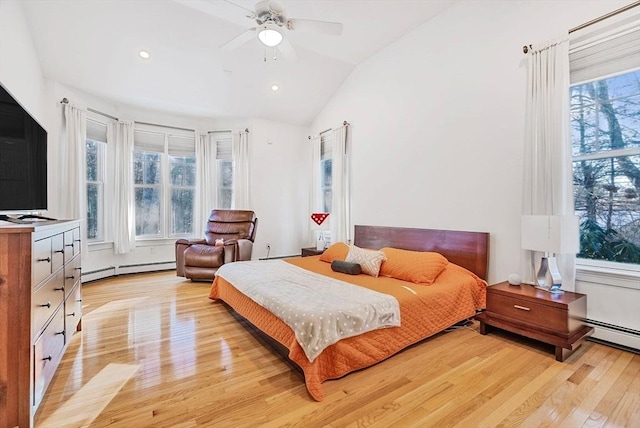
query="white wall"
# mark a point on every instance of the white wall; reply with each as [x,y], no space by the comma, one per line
[20,71]
[438,120]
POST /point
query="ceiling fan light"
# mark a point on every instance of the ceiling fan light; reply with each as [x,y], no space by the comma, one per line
[269,36]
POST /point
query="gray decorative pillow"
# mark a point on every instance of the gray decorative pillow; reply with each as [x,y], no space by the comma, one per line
[346,267]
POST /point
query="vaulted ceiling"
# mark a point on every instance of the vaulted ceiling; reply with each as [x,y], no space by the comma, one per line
[93,45]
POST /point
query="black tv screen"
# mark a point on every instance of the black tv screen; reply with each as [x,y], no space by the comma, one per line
[23,159]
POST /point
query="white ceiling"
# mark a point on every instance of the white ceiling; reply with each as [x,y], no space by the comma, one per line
[93,45]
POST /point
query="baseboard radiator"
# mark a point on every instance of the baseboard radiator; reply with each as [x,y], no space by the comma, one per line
[127,269]
[615,335]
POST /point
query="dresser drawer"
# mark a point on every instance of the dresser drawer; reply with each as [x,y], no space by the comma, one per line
[526,312]
[47,352]
[46,300]
[57,252]
[41,260]
[71,274]
[73,311]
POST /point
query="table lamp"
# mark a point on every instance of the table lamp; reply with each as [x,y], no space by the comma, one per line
[551,234]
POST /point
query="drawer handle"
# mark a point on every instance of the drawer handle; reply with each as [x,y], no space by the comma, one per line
[47,358]
[46,305]
[60,332]
[77,240]
[59,289]
[48,260]
[70,277]
[59,251]
[72,314]
[69,245]
[523,308]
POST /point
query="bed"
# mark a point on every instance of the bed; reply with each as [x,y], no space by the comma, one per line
[457,293]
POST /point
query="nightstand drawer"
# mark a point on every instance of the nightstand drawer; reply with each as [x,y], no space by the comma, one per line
[525,312]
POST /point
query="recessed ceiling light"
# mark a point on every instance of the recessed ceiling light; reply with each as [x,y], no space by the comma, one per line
[275,87]
[144,54]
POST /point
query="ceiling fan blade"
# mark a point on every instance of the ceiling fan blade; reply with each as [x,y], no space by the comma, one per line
[287,51]
[324,27]
[239,40]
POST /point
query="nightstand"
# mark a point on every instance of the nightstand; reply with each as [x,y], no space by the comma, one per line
[556,319]
[311,251]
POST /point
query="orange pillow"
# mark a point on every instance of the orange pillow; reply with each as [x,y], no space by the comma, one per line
[419,267]
[337,251]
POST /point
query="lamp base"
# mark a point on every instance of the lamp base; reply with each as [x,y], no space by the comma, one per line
[549,278]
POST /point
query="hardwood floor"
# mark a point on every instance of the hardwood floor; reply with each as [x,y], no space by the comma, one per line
[156,352]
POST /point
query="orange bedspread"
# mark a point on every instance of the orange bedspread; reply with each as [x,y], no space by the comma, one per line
[425,311]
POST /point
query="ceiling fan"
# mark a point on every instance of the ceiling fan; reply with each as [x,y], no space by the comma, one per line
[272,25]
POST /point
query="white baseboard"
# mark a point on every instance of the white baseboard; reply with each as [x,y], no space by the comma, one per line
[126,269]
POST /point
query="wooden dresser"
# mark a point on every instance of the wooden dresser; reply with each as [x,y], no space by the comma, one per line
[557,319]
[40,309]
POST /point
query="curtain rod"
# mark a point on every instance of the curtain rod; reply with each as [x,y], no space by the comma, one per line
[526,48]
[66,101]
[311,137]
[225,130]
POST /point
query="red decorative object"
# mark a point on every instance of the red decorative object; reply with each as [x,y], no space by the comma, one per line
[319,218]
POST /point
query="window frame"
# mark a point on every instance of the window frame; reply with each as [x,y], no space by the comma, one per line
[101,155]
[224,155]
[165,185]
[604,154]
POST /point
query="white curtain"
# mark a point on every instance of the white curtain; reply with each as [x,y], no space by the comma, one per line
[206,179]
[315,196]
[120,134]
[241,198]
[340,200]
[74,167]
[547,187]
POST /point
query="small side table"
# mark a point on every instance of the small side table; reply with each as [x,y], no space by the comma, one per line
[556,319]
[311,251]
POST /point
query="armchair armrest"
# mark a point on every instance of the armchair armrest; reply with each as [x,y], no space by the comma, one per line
[245,248]
[237,250]
[181,245]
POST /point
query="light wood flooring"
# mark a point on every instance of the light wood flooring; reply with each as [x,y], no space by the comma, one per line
[156,352]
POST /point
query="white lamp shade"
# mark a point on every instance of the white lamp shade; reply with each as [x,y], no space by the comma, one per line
[269,35]
[550,233]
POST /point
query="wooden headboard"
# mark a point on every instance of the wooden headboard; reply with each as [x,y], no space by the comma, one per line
[467,249]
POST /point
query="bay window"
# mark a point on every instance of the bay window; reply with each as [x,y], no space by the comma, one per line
[164,182]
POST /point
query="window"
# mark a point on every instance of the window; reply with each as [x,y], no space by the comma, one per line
[224,160]
[605,138]
[95,161]
[147,171]
[183,178]
[326,147]
[164,166]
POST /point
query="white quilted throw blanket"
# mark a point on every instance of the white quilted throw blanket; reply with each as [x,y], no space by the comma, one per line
[319,309]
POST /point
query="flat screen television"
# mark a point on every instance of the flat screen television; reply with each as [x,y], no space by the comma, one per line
[23,160]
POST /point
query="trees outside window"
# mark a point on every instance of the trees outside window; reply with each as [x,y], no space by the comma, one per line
[95,190]
[183,181]
[325,172]
[605,136]
[164,175]
[147,173]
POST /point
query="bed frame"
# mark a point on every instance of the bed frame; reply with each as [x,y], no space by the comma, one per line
[467,249]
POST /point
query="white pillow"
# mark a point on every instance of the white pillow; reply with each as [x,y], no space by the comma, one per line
[369,260]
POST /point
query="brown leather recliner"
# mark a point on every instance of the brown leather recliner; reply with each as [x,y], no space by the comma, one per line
[199,259]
